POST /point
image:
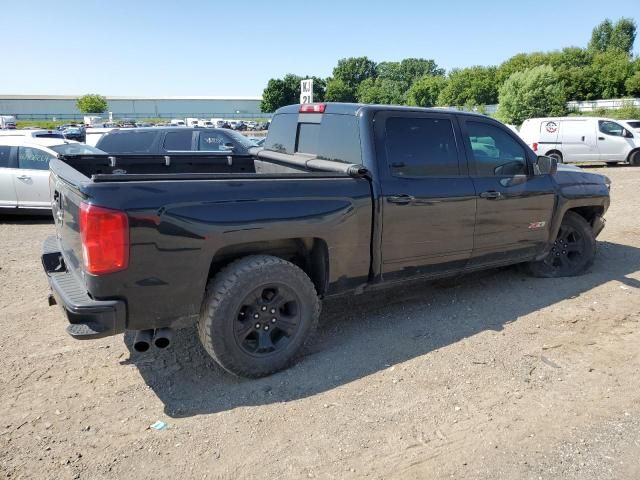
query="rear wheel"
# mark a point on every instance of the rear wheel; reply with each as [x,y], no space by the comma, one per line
[258,314]
[634,159]
[572,253]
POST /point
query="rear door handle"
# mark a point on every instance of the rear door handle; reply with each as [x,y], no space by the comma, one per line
[402,199]
[600,138]
[491,195]
[24,177]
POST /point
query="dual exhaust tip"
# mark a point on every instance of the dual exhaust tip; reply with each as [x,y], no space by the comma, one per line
[160,337]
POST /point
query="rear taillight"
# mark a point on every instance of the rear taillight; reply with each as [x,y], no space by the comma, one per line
[534,147]
[312,108]
[105,239]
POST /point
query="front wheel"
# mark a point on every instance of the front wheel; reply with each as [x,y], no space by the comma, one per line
[258,315]
[572,253]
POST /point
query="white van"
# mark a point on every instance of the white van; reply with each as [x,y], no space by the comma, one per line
[582,139]
[192,122]
[176,122]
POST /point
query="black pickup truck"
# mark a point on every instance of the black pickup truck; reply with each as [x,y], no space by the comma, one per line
[343,198]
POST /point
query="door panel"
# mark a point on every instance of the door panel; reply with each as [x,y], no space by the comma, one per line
[31,179]
[612,145]
[428,199]
[514,207]
[7,167]
[579,141]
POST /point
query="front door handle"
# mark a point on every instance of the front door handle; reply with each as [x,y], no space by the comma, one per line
[583,138]
[600,138]
[491,195]
[24,177]
[402,199]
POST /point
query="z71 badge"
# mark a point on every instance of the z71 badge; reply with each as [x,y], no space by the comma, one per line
[537,225]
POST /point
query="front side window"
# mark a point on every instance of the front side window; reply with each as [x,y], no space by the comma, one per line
[421,147]
[33,158]
[212,141]
[611,128]
[495,152]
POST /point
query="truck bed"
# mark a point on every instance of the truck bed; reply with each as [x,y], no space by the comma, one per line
[194,165]
[190,213]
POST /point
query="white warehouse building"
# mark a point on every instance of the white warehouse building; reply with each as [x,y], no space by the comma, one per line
[47,107]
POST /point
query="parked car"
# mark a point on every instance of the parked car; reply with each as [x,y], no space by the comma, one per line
[93,135]
[334,204]
[77,133]
[7,122]
[36,133]
[222,124]
[632,124]
[582,139]
[164,140]
[24,171]
[177,122]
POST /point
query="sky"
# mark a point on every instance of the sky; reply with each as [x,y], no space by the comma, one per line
[232,48]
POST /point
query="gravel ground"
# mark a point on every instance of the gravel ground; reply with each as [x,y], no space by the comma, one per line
[494,375]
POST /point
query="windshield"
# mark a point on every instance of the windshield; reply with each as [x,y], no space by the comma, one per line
[76,149]
[241,139]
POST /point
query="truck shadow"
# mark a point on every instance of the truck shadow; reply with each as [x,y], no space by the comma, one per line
[359,336]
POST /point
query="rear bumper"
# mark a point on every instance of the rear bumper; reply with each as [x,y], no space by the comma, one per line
[88,318]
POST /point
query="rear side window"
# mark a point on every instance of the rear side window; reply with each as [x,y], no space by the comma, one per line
[336,138]
[4,155]
[128,142]
[421,147]
[282,133]
[178,140]
[33,158]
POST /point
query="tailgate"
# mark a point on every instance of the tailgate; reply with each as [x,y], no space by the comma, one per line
[65,206]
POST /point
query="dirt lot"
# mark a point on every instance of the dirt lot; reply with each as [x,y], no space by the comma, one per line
[496,375]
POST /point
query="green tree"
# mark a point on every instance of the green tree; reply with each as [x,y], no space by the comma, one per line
[611,69]
[286,91]
[354,70]
[92,103]
[425,91]
[381,91]
[601,36]
[337,91]
[408,70]
[633,84]
[623,35]
[537,92]
[619,36]
[470,87]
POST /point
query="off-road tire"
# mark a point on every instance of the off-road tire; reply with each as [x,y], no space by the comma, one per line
[573,251]
[226,296]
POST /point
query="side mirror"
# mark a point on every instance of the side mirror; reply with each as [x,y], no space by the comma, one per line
[228,147]
[545,166]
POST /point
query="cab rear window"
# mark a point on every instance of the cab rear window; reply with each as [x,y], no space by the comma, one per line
[335,138]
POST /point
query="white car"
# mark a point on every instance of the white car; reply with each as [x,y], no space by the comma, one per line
[634,124]
[24,171]
[31,134]
[93,135]
[582,139]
